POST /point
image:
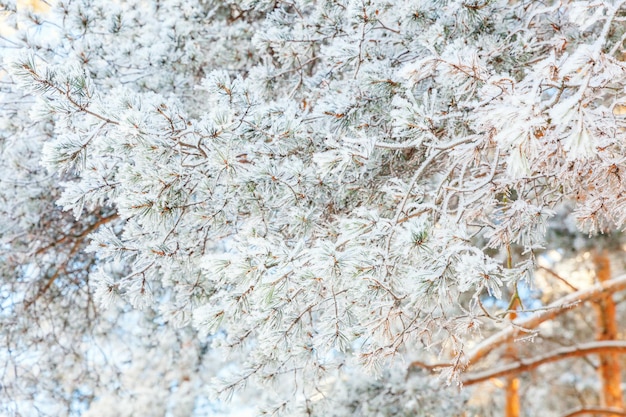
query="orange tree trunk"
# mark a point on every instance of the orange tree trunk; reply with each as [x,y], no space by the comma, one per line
[512,406]
[609,370]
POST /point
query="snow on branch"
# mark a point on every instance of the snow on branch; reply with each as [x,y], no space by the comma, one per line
[524,365]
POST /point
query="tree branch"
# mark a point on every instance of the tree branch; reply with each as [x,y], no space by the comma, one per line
[596,410]
[519,326]
[524,365]
[78,240]
[555,309]
[79,236]
[557,276]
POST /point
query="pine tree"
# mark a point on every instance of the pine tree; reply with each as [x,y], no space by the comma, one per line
[354,202]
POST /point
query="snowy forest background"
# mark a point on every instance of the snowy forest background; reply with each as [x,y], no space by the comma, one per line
[312,207]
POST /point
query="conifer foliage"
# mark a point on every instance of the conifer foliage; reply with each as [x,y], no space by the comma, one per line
[344,198]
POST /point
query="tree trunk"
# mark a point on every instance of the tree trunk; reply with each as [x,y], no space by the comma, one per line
[512,406]
[512,397]
[609,370]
